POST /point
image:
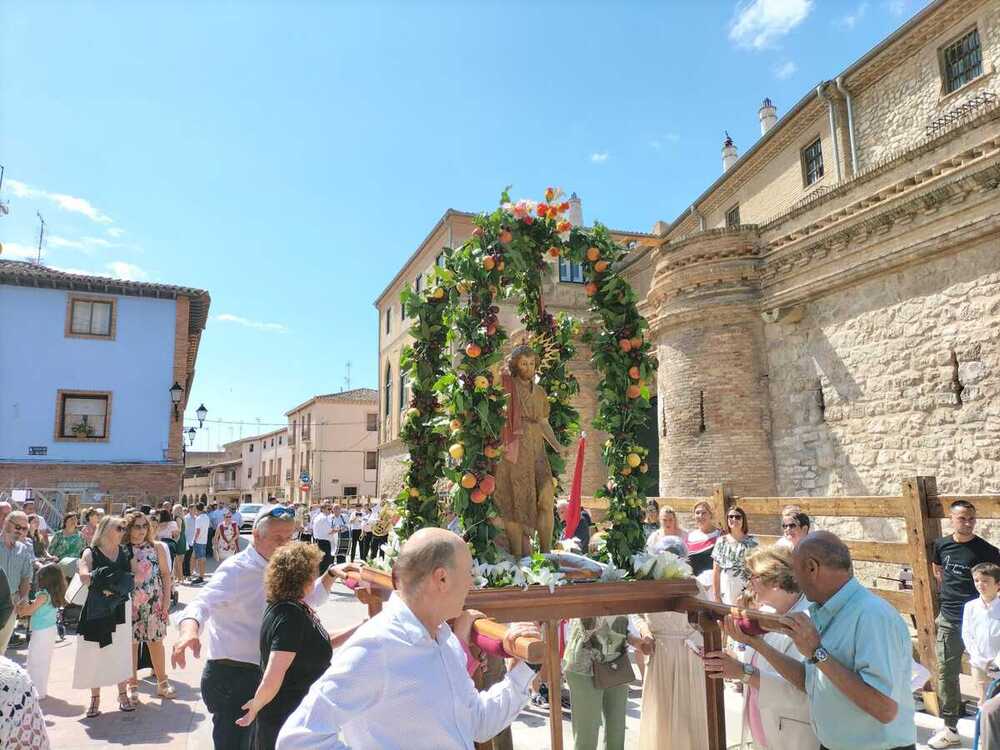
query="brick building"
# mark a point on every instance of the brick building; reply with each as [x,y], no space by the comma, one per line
[88,367]
[827,312]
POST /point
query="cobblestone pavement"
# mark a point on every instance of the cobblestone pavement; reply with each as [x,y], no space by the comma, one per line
[184,724]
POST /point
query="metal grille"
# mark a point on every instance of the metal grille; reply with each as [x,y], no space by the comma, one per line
[733,217]
[967,110]
[813,159]
[963,61]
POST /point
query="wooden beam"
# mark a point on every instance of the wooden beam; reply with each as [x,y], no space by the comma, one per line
[921,531]
[862,507]
[987,506]
[883,552]
[901,600]
[715,700]
[554,670]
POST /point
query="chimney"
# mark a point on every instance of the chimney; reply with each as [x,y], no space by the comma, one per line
[768,115]
[729,155]
[575,211]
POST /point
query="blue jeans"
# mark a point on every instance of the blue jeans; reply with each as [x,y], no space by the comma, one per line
[199,551]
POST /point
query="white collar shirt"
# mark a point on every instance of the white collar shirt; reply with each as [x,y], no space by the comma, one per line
[393,687]
[231,606]
[321,527]
[981,631]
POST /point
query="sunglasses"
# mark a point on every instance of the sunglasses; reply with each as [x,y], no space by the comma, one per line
[789,526]
[735,517]
[279,512]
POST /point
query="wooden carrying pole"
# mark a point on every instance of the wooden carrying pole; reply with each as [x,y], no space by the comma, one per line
[921,531]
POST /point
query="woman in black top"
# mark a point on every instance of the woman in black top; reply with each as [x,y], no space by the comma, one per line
[295,648]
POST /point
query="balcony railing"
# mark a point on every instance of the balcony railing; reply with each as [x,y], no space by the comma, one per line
[291,438]
[224,484]
[306,435]
[267,480]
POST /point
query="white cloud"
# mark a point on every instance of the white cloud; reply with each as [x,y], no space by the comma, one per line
[115,232]
[66,202]
[661,141]
[599,157]
[852,19]
[759,24]
[256,324]
[17,251]
[86,244]
[896,7]
[127,271]
[79,271]
[785,70]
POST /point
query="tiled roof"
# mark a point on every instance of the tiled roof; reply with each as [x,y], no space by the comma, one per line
[355,395]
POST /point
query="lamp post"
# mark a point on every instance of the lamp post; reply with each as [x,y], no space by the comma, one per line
[175,398]
[190,434]
[201,414]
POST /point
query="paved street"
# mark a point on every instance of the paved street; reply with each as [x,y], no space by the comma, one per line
[183,723]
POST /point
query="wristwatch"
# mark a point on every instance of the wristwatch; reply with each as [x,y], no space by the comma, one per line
[819,656]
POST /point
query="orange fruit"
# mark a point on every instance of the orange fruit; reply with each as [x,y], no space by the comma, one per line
[625,345]
[506,236]
[634,391]
[591,289]
[636,342]
[601,266]
[633,372]
[477,496]
[489,263]
[593,254]
[473,350]
[469,480]
[487,484]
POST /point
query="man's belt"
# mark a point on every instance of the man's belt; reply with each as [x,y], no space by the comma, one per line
[235,664]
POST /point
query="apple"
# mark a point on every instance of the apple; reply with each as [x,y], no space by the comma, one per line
[489,262]
[455,425]
[491,451]
[593,254]
[590,288]
[477,496]
[636,342]
[487,484]
[457,451]
[506,236]
[634,391]
[633,372]
[468,480]
[601,266]
[473,350]
[625,345]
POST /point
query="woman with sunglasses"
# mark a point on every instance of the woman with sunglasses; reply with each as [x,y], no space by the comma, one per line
[729,570]
[150,601]
[104,646]
[227,537]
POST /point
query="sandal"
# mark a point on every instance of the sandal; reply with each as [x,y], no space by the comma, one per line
[133,693]
[163,689]
[124,704]
[95,707]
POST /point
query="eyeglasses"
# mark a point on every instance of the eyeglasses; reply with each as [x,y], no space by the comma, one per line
[18,527]
[735,517]
[789,526]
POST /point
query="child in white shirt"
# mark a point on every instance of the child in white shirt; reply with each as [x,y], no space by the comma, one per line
[981,627]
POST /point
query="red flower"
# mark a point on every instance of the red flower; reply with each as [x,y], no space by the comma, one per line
[542,209]
[564,206]
[477,232]
[563,226]
[550,193]
[528,220]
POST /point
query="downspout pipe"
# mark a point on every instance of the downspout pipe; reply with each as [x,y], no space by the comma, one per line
[850,123]
[833,128]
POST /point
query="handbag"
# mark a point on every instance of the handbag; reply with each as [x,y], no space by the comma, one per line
[76,592]
[612,674]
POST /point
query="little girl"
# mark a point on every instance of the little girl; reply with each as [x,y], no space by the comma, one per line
[43,608]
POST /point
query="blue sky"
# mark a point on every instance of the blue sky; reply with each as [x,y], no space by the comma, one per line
[289,156]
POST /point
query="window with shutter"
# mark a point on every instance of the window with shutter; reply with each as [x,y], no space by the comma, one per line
[83,416]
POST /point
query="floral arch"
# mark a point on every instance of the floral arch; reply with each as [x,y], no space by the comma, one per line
[456,409]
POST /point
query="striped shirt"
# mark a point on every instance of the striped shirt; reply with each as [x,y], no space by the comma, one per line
[17,563]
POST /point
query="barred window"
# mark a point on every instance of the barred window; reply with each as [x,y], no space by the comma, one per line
[570,271]
[371,460]
[962,60]
[733,217]
[812,162]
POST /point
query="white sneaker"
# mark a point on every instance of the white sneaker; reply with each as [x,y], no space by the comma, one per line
[947,737]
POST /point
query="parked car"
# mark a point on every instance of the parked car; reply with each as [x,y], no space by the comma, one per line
[248,514]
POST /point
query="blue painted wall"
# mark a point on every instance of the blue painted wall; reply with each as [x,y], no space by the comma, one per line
[37,360]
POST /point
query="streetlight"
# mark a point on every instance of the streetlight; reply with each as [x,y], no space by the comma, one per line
[201,414]
[175,397]
[190,434]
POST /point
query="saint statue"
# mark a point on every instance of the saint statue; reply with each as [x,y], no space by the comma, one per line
[525,491]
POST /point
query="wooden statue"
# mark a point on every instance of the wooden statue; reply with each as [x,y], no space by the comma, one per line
[525,492]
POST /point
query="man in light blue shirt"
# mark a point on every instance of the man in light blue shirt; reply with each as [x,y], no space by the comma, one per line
[857,670]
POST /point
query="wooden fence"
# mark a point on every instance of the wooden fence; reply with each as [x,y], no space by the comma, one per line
[921,510]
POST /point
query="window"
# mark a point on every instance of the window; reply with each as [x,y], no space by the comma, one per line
[812,162]
[733,217]
[439,261]
[388,392]
[388,320]
[570,271]
[404,394]
[350,491]
[91,317]
[372,422]
[419,283]
[961,61]
[280,438]
[249,472]
[83,416]
[251,447]
[371,460]
[279,468]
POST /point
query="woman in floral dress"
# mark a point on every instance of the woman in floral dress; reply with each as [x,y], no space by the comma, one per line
[227,538]
[150,600]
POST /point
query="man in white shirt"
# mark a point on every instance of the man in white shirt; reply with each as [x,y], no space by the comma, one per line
[400,682]
[189,531]
[322,533]
[200,545]
[227,614]
[339,533]
[43,527]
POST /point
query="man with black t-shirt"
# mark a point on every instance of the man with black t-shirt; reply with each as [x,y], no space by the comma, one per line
[954,557]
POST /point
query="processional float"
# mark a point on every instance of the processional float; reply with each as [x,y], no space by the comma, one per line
[490,430]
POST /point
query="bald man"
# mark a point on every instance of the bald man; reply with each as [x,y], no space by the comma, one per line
[858,654]
[400,682]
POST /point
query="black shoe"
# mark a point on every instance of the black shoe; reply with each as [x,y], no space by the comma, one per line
[565,700]
[16,641]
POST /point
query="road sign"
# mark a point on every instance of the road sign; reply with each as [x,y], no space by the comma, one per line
[304,477]
[304,488]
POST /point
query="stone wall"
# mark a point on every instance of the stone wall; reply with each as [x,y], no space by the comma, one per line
[157,480]
[892,114]
[391,468]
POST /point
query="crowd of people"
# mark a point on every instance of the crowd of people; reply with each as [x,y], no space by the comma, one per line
[840,677]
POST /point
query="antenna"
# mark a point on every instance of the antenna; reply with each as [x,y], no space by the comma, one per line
[3,206]
[347,375]
[41,236]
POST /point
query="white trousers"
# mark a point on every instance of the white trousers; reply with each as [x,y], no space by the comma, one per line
[40,658]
